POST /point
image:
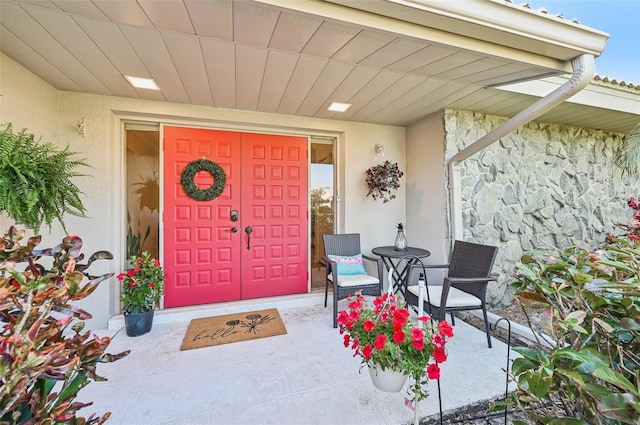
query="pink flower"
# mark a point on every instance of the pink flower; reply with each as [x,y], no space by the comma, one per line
[433,371]
[121,277]
[139,261]
[438,340]
[380,341]
[445,329]
[156,263]
[130,273]
[409,403]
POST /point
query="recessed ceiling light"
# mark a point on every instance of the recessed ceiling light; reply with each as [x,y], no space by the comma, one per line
[338,107]
[142,83]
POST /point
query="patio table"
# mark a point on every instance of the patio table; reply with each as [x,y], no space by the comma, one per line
[400,261]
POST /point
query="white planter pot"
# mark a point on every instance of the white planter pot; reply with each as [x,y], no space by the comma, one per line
[387,380]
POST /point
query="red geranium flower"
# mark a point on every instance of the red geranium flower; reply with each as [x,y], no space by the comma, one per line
[380,341]
[439,354]
[433,371]
[366,351]
[445,329]
[398,337]
[369,325]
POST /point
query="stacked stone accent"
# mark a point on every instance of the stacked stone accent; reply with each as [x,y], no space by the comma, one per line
[542,186]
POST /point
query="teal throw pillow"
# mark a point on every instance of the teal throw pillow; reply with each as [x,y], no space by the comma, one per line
[348,265]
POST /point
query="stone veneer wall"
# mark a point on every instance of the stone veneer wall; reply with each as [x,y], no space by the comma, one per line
[544,185]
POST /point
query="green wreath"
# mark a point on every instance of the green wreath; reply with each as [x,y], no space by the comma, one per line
[190,187]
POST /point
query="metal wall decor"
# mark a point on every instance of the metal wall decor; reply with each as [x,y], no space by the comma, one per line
[191,188]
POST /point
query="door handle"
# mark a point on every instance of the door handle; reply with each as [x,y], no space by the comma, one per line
[234,229]
[248,229]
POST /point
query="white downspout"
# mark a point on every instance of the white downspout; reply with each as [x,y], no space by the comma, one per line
[583,72]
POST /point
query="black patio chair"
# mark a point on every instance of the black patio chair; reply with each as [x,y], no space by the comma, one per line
[464,287]
[346,271]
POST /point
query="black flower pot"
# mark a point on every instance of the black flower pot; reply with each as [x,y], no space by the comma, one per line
[138,324]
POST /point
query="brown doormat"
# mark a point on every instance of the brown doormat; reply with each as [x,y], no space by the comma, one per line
[232,328]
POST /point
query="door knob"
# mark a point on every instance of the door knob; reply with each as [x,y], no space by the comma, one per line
[234,229]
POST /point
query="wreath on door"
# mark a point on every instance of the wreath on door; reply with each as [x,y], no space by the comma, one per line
[191,188]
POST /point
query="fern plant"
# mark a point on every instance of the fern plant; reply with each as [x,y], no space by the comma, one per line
[35,180]
[627,156]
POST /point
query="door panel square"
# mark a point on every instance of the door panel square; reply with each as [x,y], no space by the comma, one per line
[182,279]
[203,278]
[203,234]
[182,257]
[183,235]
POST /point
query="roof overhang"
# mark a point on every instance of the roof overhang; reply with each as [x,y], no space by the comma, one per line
[497,22]
[395,62]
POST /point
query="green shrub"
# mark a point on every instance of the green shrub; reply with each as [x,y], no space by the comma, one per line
[593,299]
[42,342]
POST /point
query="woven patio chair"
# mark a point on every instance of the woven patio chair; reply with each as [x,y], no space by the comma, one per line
[465,284]
[346,271]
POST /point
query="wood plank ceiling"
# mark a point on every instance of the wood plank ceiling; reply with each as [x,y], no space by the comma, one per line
[252,56]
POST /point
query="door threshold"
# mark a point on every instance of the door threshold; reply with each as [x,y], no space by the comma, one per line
[185,314]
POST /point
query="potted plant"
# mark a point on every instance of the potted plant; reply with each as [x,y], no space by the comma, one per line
[142,288]
[35,180]
[387,340]
[382,179]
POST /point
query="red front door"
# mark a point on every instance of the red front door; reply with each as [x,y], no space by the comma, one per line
[210,258]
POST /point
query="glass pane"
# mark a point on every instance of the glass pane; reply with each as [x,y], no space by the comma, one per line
[143,190]
[322,205]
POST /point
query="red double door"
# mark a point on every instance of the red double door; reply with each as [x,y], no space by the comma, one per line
[249,242]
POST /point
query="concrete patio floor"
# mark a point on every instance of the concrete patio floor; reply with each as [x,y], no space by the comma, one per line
[303,377]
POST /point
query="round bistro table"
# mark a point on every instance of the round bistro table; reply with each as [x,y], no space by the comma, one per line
[400,262]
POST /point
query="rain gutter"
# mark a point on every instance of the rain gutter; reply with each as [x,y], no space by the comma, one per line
[583,72]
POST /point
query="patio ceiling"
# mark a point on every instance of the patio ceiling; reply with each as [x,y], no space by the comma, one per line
[286,57]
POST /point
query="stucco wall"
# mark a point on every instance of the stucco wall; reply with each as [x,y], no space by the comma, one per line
[544,185]
[27,101]
[45,111]
[426,188]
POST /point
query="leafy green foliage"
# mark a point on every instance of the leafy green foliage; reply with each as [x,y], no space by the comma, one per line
[42,340]
[593,299]
[135,241]
[35,180]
